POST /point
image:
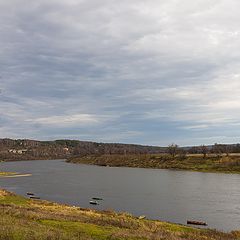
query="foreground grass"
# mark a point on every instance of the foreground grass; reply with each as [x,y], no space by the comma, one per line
[213,163]
[25,219]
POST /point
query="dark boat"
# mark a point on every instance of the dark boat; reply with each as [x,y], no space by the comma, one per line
[97,198]
[30,194]
[33,197]
[196,223]
[94,202]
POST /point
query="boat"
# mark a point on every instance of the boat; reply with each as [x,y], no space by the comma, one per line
[33,197]
[97,198]
[196,223]
[93,202]
[30,194]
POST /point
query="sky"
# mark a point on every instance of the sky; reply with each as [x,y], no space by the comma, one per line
[151,72]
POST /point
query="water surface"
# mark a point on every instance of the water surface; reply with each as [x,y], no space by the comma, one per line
[167,195]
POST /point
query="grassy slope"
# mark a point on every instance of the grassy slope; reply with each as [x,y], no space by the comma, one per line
[24,219]
[213,163]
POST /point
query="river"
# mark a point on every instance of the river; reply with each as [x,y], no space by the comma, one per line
[174,196]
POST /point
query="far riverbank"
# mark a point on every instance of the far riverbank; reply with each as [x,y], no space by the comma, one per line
[211,163]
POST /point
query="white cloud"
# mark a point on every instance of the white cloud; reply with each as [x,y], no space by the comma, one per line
[119,62]
[63,120]
[196,127]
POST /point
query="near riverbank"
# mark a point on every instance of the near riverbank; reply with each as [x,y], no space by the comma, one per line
[27,219]
[211,163]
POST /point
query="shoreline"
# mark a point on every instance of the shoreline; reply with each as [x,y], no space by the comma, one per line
[16,175]
[77,160]
[26,160]
[169,169]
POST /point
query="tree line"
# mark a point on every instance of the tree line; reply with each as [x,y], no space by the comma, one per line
[218,149]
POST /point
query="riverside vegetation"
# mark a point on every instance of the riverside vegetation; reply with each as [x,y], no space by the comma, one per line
[193,162]
[26,219]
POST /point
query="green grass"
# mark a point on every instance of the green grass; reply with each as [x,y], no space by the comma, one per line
[13,199]
[96,232]
[25,219]
[178,228]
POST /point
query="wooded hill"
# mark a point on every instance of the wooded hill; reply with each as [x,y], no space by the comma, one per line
[11,149]
[25,149]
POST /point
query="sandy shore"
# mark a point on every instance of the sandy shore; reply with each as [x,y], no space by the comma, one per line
[15,175]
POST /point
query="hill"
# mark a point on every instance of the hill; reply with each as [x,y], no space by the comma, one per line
[25,149]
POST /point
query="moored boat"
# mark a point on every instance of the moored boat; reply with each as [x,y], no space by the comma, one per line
[196,223]
[97,198]
[34,197]
[94,202]
[30,194]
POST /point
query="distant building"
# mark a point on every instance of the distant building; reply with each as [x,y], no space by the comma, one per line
[65,149]
[17,151]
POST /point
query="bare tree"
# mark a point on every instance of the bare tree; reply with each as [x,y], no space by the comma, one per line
[217,149]
[220,149]
[182,154]
[204,150]
[227,150]
[173,149]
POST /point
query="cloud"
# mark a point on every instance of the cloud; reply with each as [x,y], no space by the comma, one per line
[196,127]
[134,71]
[85,119]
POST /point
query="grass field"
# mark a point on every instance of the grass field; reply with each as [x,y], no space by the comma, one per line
[25,219]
